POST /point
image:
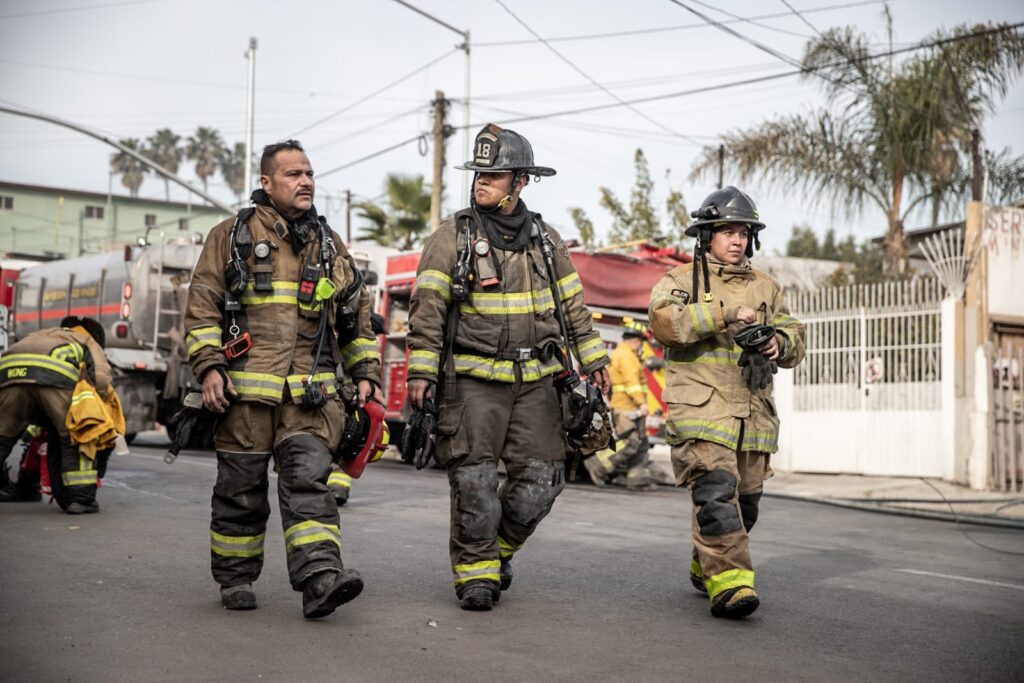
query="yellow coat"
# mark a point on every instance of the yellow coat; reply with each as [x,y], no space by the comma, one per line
[628,381]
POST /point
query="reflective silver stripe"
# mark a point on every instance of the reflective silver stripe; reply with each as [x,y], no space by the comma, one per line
[37,360]
[509,303]
[502,370]
[358,350]
[296,387]
[421,360]
[339,479]
[436,281]
[311,531]
[591,350]
[570,286]
[199,337]
[79,478]
[236,546]
[506,549]
[486,569]
[257,384]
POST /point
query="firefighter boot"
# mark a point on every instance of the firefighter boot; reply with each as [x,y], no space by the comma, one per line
[240,597]
[82,508]
[697,576]
[506,573]
[477,596]
[326,590]
[735,603]
[596,471]
[7,492]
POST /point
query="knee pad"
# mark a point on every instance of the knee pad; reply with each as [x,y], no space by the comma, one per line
[530,495]
[475,506]
[304,456]
[749,503]
[713,494]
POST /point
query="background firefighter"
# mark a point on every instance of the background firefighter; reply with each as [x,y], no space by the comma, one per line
[43,379]
[274,306]
[504,355]
[628,463]
[722,423]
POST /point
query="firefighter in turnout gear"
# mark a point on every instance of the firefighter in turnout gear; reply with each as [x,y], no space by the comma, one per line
[629,413]
[483,318]
[44,378]
[722,423]
[275,304]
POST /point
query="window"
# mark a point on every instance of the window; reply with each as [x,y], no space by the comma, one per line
[182,224]
[6,203]
[150,220]
[94,212]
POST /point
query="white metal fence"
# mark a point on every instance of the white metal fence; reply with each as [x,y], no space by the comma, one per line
[867,398]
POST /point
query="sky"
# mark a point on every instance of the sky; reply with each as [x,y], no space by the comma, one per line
[130,67]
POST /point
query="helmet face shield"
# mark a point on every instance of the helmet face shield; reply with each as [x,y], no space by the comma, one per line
[496,149]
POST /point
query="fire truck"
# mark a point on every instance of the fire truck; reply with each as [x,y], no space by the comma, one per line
[616,287]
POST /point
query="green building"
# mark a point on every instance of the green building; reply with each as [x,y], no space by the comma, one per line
[51,221]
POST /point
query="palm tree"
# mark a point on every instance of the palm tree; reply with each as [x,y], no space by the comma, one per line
[409,216]
[164,147]
[205,148]
[232,168]
[132,171]
[896,136]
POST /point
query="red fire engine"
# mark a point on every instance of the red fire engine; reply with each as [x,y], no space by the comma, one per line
[616,288]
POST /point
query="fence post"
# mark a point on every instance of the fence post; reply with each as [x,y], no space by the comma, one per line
[948,397]
[979,462]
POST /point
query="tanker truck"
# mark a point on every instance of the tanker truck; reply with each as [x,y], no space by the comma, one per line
[138,294]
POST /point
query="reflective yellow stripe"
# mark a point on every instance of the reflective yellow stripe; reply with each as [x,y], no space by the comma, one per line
[683,430]
[626,388]
[341,479]
[79,478]
[506,549]
[257,384]
[695,567]
[37,360]
[508,303]
[570,286]
[702,317]
[767,442]
[296,387]
[733,578]
[71,353]
[236,546]
[495,370]
[358,350]
[311,531]
[591,350]
[198,337]
[436,281]
[421,360]
[668,298]
[81,396]
[477,571]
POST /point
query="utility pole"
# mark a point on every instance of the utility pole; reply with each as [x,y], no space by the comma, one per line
[440,108]
[721,165]
[250,54]
[348,217]
[976,159]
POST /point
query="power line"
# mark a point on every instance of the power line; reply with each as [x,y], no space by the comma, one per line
[801,17]
[376,92]
[749,41]
[752,22]
[664,29]
[761,79]
[76,9]
[363,131]
[696,91]
[403,143]
[592,80]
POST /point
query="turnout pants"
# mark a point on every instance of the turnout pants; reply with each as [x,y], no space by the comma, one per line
[73,477]
[297,440]
[726,488]
[520,424]
[631,450]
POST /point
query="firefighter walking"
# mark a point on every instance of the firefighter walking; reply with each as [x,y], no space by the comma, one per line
[725,327]
[482,293]
[275,304]
[61,380]
[629,415]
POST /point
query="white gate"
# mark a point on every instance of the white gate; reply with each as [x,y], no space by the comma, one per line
[867,398]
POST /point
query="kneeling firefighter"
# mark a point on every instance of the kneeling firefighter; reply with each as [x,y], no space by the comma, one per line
[274,306]
[725,327]
[497,302]
[60,379]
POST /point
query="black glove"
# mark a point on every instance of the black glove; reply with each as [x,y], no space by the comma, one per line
[757,370]
[193,426]
[420,434]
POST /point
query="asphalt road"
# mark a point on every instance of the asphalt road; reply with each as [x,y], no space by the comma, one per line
[600,593]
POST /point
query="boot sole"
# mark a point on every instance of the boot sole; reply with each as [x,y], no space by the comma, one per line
[741,608]
[346,588]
